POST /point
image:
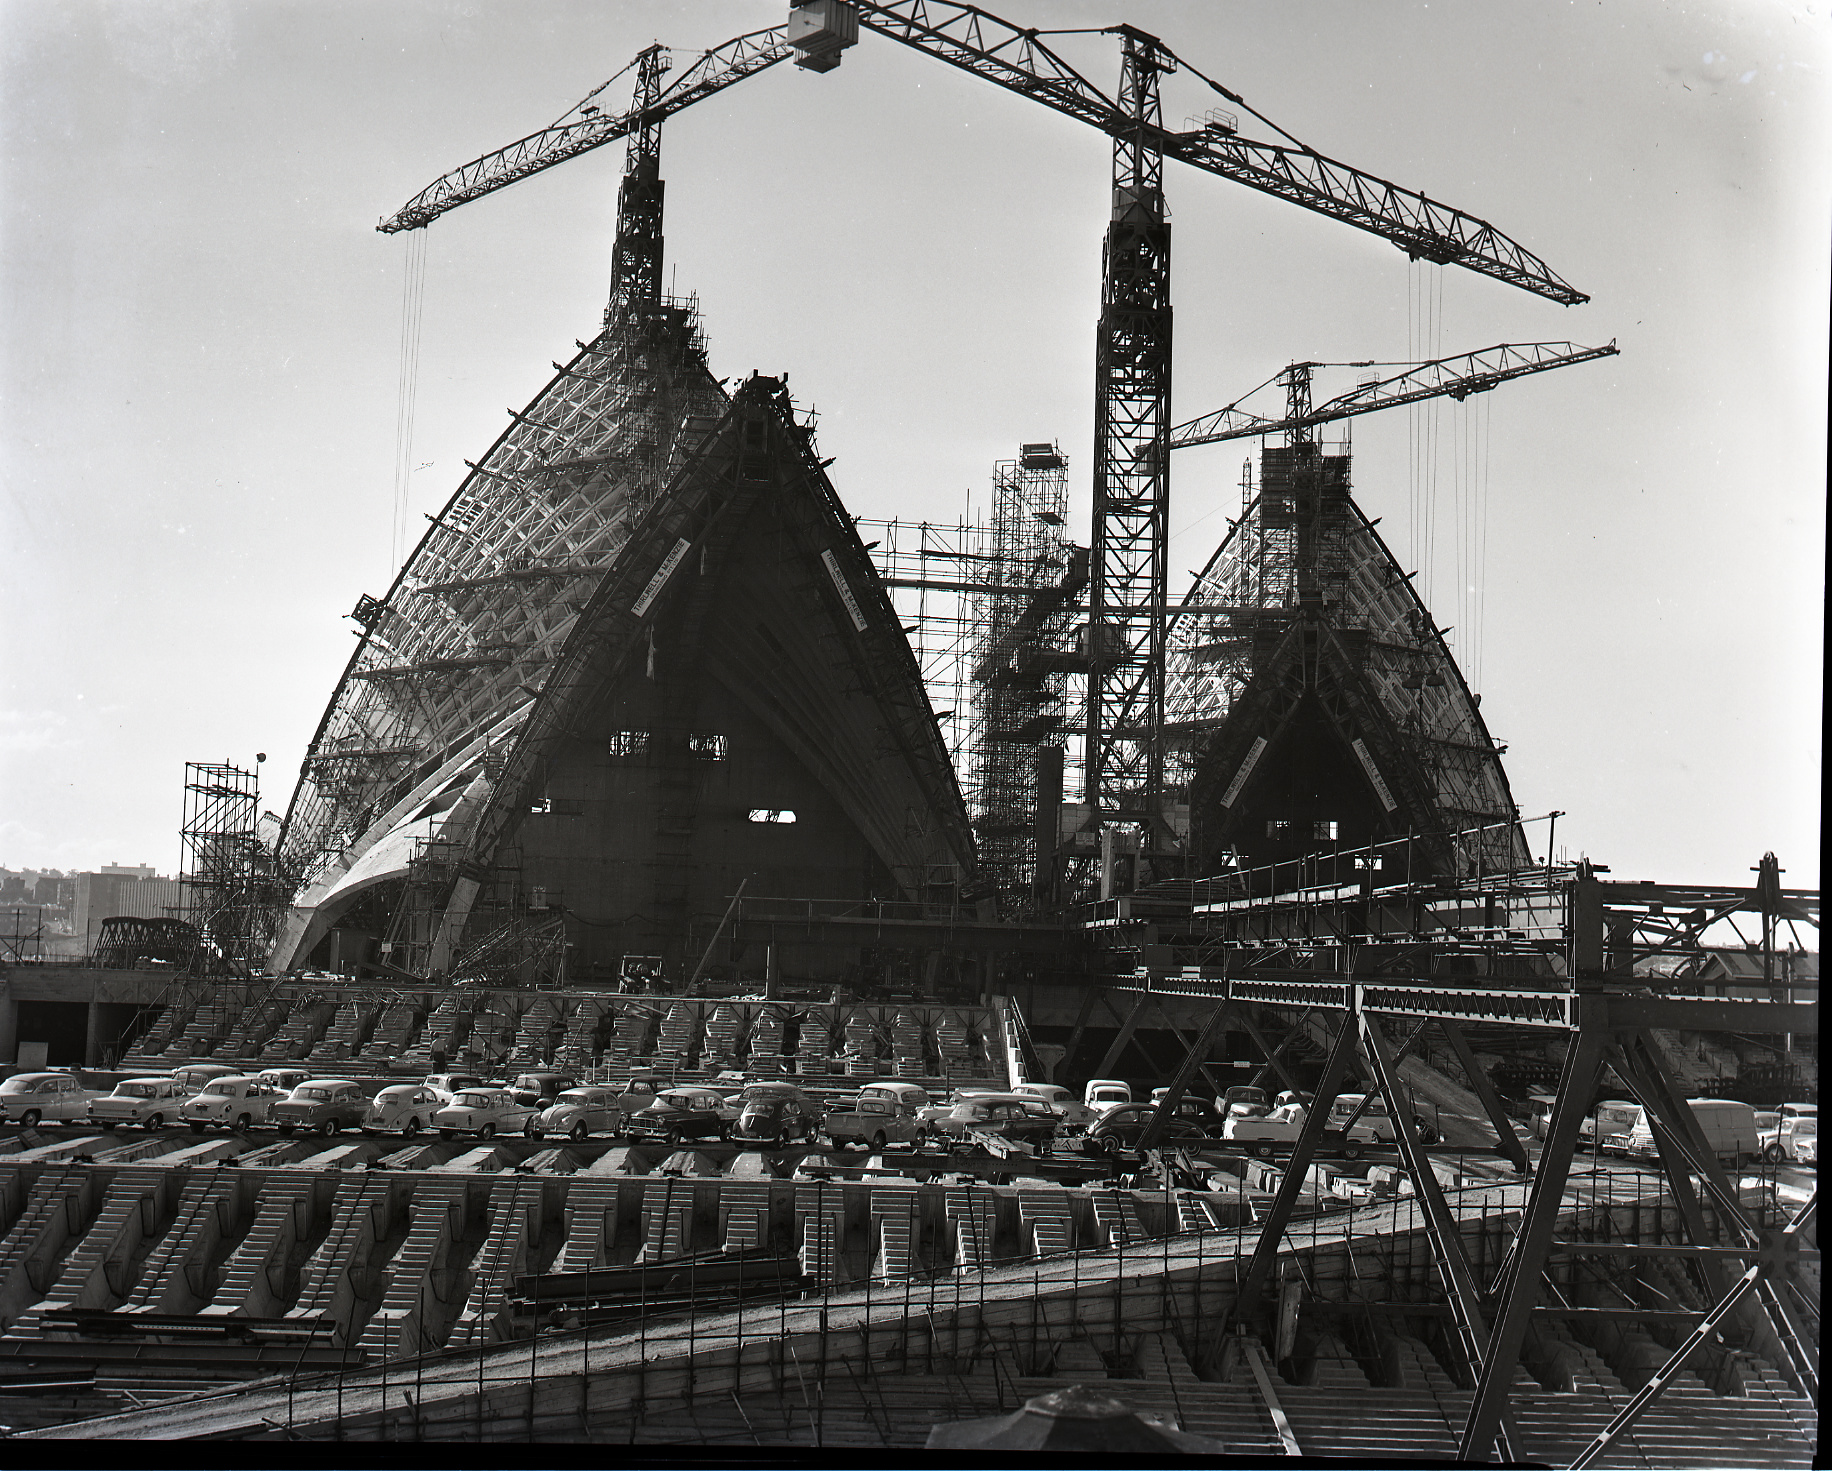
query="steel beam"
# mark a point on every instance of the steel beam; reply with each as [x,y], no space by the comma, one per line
[1081,1022]
[1440,1227]
[1533,1244]
[1127,1028]
[1191,1061]
[1177,1031]
[1251,1028]
[1265,1253]
[1650,1391]
[1485,1090]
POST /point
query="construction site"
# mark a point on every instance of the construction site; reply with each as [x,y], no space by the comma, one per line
[658,767]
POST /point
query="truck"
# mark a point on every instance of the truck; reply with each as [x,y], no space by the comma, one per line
[882,1114]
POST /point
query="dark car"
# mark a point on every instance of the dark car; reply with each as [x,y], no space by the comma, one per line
[321,1105]
[1122,1128]
[682,1113]
[1010,1116]
[775,1116]
[538,1090]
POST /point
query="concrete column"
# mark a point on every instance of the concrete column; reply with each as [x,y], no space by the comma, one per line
[92,1033]
[9,1025]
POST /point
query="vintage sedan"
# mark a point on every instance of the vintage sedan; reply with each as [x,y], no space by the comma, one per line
[284,1079]
[149,1102]
[537,1090]
[1071,1110]
[485,1112]
[232,1102]
[1010,1116]
[775,1113]
[1378,1120]
[449,1085]
[1122,1128]
[402,1108]
[683,1113]
[1267,1135]
[321,1105]
[578,1113]
[35,1098]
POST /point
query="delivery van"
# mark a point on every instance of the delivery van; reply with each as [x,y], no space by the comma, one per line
[1729,1128]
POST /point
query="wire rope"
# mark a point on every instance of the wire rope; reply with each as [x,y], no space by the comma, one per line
[407,389]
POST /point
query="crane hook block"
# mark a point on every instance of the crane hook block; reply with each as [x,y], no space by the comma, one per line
[820,30]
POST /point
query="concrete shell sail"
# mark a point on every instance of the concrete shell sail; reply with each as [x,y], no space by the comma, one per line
[673,673]
[1316,703]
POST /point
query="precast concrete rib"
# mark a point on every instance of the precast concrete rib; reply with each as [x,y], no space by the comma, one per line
[447,1389]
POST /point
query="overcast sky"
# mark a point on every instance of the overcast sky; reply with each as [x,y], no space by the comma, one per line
[200,347]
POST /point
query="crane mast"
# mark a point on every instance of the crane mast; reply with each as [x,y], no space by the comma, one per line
[1131,522]
[636,260]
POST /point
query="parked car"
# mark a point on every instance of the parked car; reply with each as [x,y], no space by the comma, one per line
[1071,1110]
[932,1114]
[485,1112]
[636,1094]
[1102,1094]
[1378,1120]
[1245,1100]
[48,1097]
[56,1097]
[1192,1107]
[149,1102]
[775,1116]
[1604,1128]
[193,1075]
[1806,1143]
[537,1090]
[682,1113]
[1120,1129]
[1539,1113]
[285,1079]
[449,1085]
[910,1096]
[1012,1116]
[403,1108]
[578,1113]
[234,1102]
[1265,1134]
[321,1105]
[873,1121]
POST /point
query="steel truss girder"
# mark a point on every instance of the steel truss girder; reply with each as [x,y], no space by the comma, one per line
[1447,1242]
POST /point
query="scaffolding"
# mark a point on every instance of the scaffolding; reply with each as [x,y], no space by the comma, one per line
[231,893]
[932,571]
[987,606]
[1021,715]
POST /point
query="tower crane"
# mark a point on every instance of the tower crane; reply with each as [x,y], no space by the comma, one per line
[1128,604]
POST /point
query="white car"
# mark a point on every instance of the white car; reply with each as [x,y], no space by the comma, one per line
[1283,1125]
[1103,1095]
[233,1103]
[403,1108]
[35,1098]
[149,1102]
[1064,1104]
[1378,1120]
[449,1085]
[485,1112]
